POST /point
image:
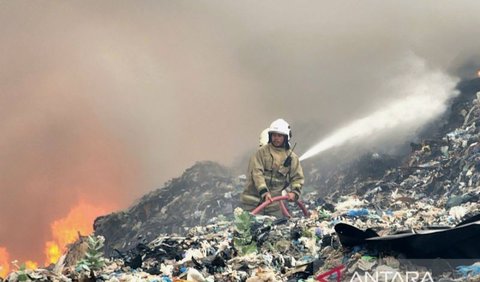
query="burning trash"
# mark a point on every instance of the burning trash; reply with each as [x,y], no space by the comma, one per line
[417,220]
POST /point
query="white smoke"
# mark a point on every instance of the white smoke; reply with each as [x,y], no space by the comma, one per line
[423,96]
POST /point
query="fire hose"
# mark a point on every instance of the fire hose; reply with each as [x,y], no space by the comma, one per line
[280,200]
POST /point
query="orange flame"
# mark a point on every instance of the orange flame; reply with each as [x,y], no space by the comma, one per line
[31,264]
[52,252]
[65,231]
[4,262]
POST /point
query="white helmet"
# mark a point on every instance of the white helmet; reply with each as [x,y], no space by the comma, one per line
[263,138]
[280,126]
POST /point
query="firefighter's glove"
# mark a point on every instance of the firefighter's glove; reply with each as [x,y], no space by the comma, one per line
[267,197]
[265,194]
[297,192]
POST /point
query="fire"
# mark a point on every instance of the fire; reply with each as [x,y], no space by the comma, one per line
[66,230]
[478,73]
[4,262]
[52,252]
[31,264]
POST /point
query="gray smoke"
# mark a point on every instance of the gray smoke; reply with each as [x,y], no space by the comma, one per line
[106,100]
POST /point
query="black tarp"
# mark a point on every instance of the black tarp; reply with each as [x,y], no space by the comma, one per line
[459,242]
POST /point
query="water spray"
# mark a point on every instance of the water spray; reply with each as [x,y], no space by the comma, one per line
[428,96]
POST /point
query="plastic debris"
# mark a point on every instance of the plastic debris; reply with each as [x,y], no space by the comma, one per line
[357,212]
[470,270]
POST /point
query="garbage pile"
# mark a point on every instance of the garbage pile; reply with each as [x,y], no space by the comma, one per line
[249,248]
[204,191]
[415,222]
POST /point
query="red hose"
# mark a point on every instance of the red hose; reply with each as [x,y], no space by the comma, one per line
[266,203]
[301,205]
[284,209]
[282,206]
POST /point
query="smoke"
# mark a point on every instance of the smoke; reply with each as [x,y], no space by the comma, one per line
[424,96]
[106,100]
[56,154]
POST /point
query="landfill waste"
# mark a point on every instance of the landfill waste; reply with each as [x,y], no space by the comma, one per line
[473,269]
[191,230]
[198,197]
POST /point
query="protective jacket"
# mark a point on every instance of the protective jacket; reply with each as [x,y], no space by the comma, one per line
[267,173]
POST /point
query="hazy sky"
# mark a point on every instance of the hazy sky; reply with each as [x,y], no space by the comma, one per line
[106,100]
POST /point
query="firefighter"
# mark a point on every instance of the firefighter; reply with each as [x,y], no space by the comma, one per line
[263,138]
[273,168]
